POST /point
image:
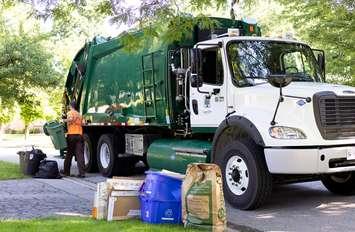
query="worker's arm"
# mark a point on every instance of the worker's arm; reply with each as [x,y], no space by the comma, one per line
[69,118]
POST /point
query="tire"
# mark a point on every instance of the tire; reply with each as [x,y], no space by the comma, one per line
[249,182]
[112,165]
[89,154]
[106,155]
[340,183]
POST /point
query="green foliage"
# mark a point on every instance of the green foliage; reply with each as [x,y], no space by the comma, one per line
[24,64]
[31,109]
[329,25]
[53,109]
[72,19]
[6,113]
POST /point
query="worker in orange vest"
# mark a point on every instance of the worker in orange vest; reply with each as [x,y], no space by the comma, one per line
[75,141]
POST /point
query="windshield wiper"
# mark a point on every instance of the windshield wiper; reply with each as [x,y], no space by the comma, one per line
[301,77]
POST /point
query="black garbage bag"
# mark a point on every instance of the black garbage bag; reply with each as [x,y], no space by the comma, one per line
[48,169]
[34,158]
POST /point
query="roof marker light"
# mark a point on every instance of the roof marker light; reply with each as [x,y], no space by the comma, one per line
[233,32]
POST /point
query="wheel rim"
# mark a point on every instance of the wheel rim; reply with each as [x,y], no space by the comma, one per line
[105,155]
[237,175]
[341,177]
[86,153]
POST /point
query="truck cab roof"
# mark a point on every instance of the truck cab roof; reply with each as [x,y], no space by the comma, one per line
[227,39]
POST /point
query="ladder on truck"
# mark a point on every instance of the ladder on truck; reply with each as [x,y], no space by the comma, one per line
[149,86]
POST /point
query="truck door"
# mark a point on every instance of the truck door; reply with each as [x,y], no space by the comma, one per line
[208,104]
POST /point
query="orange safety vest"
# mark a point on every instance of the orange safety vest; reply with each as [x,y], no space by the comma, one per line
[74,123]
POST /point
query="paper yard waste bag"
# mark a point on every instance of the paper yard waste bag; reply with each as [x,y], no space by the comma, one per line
[202,197]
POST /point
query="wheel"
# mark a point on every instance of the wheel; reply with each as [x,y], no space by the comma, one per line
[89,154]
[247,182]
[106,155]
[340,183]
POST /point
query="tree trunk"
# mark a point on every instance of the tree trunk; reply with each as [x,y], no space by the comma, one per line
[27,131]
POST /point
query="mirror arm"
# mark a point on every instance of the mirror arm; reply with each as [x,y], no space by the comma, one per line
[281,99]
[308,99]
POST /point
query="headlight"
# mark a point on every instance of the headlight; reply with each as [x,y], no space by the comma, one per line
[282,132]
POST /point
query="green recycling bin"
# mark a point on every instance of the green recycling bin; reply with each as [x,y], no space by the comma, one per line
[55,130]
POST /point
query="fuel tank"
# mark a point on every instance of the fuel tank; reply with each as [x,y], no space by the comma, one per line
[175,154]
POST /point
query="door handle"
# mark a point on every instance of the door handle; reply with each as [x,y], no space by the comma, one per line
[216,91]
[195,106]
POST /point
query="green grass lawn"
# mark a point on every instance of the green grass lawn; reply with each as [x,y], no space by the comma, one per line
[75,224]
[9,137]
[10,171]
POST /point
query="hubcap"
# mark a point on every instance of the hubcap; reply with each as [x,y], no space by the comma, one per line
[86,153]
[237,175]
[105,156]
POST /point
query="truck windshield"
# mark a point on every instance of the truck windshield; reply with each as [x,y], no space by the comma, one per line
[252,61]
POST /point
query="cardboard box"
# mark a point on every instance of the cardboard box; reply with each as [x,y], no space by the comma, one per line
[123,205]
[101,201]
[125,183]
[123,202]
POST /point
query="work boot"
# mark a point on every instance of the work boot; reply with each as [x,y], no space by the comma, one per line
[63,173]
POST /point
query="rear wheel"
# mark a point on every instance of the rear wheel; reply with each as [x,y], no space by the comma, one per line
[109,163]
[246,181]
[340,183]
[89,154]
[105,155]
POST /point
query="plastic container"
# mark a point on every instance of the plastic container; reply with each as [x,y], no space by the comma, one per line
[160,198]
[56,131]
[24,158]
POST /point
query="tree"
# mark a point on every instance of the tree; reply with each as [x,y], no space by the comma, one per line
[6,113]
[329,25]
[156,19]
[31,110]
[25,64]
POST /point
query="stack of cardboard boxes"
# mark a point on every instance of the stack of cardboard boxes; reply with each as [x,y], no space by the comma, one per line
[117,199]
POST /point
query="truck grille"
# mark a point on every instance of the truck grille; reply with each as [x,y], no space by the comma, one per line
[335,115]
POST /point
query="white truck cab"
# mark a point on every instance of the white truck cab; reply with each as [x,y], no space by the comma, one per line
[276,117]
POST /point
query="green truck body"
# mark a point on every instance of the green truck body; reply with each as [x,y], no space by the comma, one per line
[120,92]
[137,88]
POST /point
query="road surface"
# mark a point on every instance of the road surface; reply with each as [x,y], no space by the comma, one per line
[296,207]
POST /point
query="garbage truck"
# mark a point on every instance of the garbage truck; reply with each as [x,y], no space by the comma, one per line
[258,107]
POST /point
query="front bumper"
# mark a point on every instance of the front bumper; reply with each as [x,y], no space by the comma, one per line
[308,160]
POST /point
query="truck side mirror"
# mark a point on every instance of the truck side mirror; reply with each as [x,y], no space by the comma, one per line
[320,60]
[196,67]
[321,63]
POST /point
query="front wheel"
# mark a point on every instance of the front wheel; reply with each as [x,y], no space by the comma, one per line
[340,183]
[247,182]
